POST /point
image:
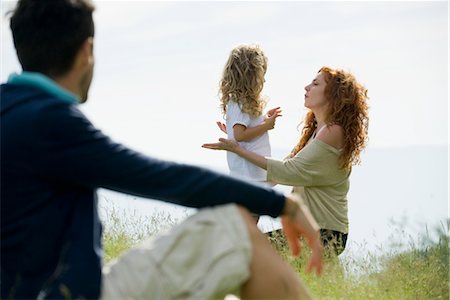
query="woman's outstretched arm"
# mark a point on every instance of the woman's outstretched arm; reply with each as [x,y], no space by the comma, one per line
[232,146]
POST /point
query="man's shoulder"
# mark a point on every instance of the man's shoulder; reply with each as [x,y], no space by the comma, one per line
[16,96]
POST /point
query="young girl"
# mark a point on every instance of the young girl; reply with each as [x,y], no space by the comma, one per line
[242,106]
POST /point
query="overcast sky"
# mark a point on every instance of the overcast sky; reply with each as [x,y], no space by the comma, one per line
[158,65]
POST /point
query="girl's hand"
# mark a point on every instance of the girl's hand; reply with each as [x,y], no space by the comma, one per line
[222,126]
[223,144]
[272,111]
[271,116]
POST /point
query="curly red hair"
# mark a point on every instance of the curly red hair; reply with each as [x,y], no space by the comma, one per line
[348,108]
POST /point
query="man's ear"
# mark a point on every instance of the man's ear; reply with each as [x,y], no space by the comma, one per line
[85,56]
[90,42]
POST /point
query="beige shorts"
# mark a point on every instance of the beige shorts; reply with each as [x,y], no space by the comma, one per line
[205,257]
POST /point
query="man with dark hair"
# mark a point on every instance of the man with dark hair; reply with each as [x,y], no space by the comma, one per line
[53,159]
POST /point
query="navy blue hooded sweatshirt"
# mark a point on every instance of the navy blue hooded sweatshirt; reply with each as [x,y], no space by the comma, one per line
[52,161]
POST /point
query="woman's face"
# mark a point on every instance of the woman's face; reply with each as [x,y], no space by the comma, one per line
[315,93]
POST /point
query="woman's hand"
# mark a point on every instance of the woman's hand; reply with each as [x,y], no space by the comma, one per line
[297,221]
[233,146]
[223,144]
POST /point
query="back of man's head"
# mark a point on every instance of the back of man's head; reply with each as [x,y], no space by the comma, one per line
[48,34]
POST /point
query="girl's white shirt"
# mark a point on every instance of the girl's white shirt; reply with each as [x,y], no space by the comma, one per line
[239,167]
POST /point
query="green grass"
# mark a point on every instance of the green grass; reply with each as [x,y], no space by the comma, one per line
[122,230]
[402,270]
[412,270]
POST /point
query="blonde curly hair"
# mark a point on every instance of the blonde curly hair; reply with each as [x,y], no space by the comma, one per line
[348,108]
[243,79]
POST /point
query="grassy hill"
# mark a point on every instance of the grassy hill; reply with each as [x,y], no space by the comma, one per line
[417,269]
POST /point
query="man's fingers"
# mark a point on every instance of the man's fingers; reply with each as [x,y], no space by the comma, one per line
[311,266]
[291,237]
[294,244]
[315,262]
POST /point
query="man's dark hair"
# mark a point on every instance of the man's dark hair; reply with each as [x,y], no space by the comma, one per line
[48,34]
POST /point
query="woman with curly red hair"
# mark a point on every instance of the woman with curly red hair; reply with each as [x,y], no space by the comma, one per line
[319,166]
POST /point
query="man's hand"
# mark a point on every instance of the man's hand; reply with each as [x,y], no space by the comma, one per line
[297,221]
